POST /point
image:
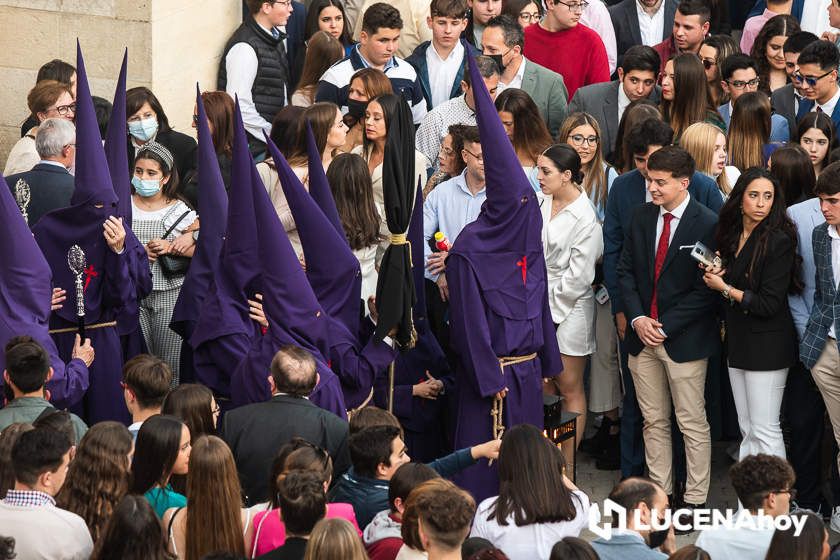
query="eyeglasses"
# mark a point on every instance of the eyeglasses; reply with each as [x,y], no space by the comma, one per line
[63,110]
[195,119]
[790,491]
[286,3]
[810,80]
[574,6]
[741,84]
[580,140]
[479,157]
[447,152]
[525,17]
[709,62]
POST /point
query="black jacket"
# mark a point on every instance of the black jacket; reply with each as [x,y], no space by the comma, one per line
[181,146]
[759,331]
[687,308]
[50,187]
[256,431]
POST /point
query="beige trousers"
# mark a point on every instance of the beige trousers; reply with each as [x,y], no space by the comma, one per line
[658,380]
[826,374]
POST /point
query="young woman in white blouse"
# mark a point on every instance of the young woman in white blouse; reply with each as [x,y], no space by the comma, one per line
[537,504]
[572,243]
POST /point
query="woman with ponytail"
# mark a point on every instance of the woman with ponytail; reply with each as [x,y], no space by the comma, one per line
[573,242]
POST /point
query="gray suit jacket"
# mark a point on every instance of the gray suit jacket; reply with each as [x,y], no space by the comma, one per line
[549,93]
[826,301]
[625,21]
[806,215]
[601,101]
[783,102]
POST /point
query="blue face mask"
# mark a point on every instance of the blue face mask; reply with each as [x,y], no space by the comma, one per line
[144,130]
[145,187]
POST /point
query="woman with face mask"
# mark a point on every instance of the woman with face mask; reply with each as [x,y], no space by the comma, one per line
[159,219]
[147,121]
[365,85]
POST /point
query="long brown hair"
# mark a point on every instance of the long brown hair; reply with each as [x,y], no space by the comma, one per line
[531,491]
[749,130]
[351,187]
[638,111]
[322,51]
[98,476]
[692,99]
[782,24]
[530,134]
[214,515]
[219,108]
[334,539]
[321,117]
[193,404]
[594,174]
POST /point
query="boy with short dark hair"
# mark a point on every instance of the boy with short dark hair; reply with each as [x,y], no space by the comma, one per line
[303,503]
[40,459]
[440,62]
[146,382]
[27,372]
[378,43]
[818,78]
[444,514]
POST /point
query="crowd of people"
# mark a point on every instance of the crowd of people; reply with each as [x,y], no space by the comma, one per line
[327,328]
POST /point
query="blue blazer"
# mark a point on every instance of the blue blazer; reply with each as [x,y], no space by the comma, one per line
[628,192]
[795,10]
[779,128]
[50,188]
[805,106]
[625,547]
[826,301]
[806,215]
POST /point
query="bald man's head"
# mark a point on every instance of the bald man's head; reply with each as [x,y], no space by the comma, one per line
[293,371]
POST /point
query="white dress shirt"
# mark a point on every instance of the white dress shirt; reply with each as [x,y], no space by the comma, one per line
[442,71]
[435,126]
[623,101]
[241,65]
[651,27]
[828,106]
[835,265]
[815,17]
[516,81]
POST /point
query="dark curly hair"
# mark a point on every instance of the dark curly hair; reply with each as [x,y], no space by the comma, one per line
[757,475]
[98,476]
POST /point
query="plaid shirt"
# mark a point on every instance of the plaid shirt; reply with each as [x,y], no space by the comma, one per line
[28,498]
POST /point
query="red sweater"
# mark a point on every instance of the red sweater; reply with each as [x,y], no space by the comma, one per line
[577,53]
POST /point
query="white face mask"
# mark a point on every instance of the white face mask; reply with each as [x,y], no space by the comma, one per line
[143,130]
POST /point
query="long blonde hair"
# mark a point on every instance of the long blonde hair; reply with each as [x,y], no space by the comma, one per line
[334,539]
[699,141]
[594,174]
[749,130]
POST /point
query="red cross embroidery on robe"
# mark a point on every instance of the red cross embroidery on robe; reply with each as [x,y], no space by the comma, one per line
[90,272]
[523,264]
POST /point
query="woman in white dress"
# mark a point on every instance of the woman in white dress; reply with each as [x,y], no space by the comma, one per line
[572,243]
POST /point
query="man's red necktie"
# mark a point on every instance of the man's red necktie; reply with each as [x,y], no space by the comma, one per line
[661,251]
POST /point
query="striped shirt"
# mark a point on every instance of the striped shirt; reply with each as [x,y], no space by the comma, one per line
[404,80]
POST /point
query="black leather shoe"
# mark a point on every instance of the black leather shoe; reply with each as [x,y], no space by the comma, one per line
[687,518]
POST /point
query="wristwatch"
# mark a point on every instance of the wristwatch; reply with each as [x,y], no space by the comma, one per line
[725,293]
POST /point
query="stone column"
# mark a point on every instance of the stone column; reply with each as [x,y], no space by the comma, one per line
[172,44]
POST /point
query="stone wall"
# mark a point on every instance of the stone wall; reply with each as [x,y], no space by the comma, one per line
[172,44]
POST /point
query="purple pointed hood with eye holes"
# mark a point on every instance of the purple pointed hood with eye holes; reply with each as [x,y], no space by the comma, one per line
[93,201]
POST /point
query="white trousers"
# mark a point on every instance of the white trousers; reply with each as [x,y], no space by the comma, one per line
[758,399]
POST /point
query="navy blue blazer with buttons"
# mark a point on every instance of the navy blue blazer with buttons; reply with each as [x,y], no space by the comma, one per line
[50,188]
[826,308]
[687,307]
[628,192]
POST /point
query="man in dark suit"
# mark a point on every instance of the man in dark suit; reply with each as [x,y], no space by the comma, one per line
[673,321]
[819,350]
[627,193]
[626,21]
[255,432]
[50,183]
[785,100]
[607,101]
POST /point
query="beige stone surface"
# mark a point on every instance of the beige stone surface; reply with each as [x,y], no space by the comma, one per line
[172,44]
